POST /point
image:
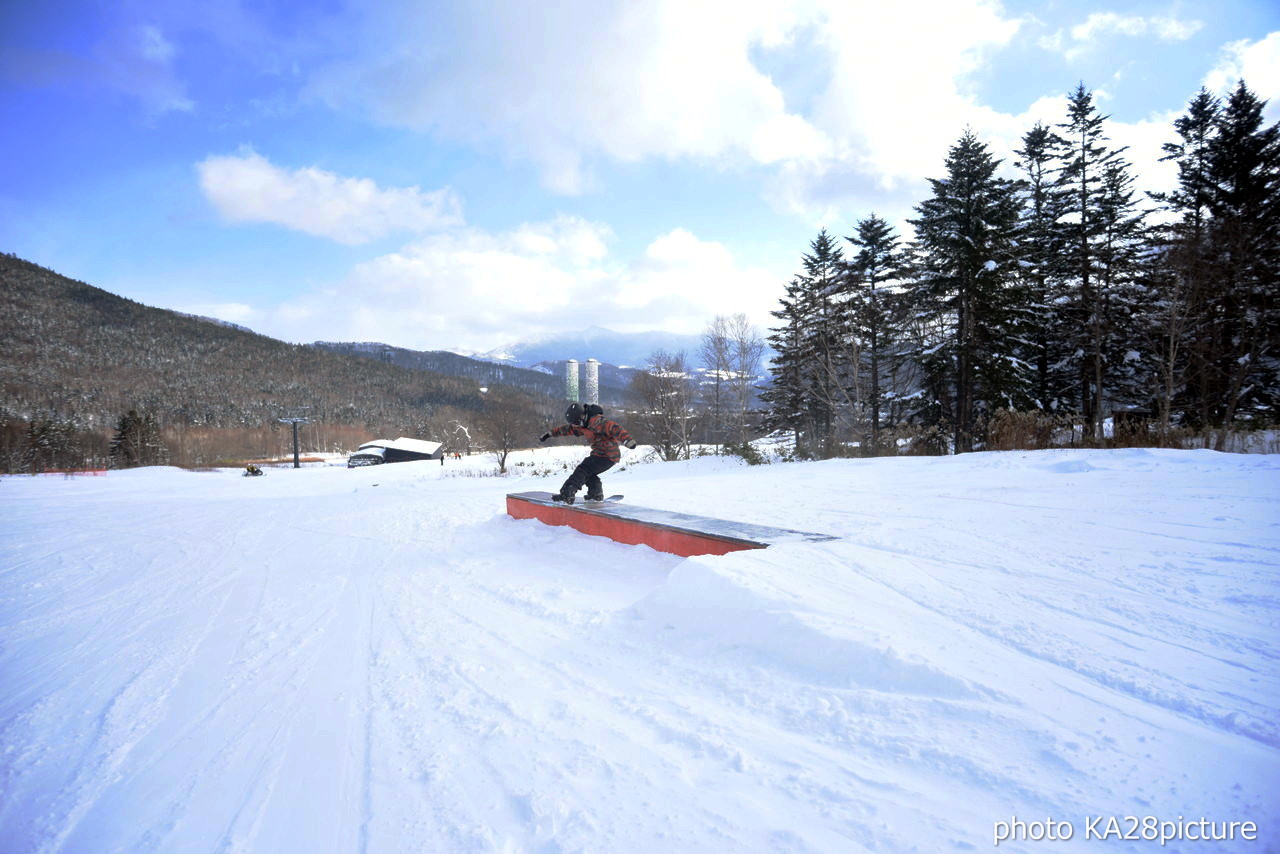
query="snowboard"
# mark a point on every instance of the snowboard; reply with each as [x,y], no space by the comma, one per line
[604,500]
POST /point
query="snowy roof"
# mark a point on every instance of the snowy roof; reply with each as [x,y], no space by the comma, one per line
[404,443]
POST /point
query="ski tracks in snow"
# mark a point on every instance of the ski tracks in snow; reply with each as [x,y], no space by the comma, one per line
[407,669]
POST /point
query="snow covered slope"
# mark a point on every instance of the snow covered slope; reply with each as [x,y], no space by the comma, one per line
[379,660]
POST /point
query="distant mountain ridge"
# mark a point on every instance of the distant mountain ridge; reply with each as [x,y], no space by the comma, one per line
[543,378]
[622,349]
[71,350]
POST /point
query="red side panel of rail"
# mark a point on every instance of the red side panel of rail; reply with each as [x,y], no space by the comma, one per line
[683,542]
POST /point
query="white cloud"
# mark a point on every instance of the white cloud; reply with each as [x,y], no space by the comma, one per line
[1145,140]
[845,103]
[568,84]
[685,281]
[248,188]
[564,83]
[897,96]
[1165,28]
[1098,26]
[896,101]
[1257,63]
[469,288]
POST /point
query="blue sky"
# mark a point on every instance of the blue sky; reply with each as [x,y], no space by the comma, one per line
[465,175]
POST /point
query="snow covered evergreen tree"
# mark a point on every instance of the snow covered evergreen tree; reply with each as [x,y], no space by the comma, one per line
[1122,290]
[786,397]
[826,352]
[1243,371]
[871,315]
[1179,275]
[1039,256]
[137,442]
[967,281]
[51,444]
[1094,178]
[1218,321]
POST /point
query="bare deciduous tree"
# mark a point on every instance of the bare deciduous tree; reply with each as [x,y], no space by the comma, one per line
[745,349]
[663,396]
[715,352]
[507,421]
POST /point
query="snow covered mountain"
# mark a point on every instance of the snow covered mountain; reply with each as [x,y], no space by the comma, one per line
[623,349]
[544,378]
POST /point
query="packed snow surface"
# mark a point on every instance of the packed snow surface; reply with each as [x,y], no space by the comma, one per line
[380,660]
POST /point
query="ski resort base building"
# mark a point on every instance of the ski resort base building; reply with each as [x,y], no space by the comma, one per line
[402,450]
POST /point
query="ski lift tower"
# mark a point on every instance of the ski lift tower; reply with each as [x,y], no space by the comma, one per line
[295,421]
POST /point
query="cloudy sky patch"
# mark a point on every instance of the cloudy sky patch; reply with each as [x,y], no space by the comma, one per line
[247,188]
[624,163]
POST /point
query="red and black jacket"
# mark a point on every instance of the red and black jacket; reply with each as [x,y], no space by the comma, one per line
[603,434]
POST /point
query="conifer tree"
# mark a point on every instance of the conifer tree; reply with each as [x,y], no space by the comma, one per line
[787,397]
[1243,202]
[870,312]
[1122,292]
[1091,173]
[125,445]
[825,350]
[52,445]
[137,442]
[1179,273]
[967,279]
[1039,254]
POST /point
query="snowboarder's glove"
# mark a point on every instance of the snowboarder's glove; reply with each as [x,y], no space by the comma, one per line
[545,436]
[631,444]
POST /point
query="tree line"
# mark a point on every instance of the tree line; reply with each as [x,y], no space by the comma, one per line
[1058,293]
[1052,293]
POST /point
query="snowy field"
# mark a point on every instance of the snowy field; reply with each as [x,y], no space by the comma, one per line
[379,660]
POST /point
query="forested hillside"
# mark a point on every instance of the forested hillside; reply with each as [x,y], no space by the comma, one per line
[76,359]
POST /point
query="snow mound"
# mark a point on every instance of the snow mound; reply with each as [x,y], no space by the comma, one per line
[708,606]
[1069,467]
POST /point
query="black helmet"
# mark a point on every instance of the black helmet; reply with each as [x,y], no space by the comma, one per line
[574,413]
[592,410]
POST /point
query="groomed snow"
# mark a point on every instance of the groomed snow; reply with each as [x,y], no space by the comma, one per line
[379,660]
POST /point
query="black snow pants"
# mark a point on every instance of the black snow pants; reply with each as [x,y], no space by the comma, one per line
[588,472]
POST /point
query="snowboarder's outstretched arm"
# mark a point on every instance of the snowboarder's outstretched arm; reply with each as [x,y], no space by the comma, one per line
[619,434]
[564,430]
[605,435]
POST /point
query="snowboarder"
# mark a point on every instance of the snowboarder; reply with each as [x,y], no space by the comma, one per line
[605,435]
